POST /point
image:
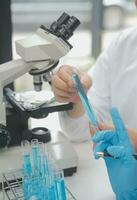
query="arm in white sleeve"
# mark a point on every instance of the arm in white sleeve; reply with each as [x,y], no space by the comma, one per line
[75,129]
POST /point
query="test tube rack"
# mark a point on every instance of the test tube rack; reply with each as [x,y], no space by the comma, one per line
[12,186]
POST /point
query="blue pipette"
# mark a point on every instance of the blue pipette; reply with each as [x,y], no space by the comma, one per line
[84,99]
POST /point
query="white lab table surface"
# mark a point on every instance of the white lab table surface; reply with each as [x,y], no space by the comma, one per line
[90,182]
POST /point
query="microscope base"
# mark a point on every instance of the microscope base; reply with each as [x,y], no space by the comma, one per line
[65,156]
[69,171]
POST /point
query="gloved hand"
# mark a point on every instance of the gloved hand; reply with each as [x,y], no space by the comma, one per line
[122,169]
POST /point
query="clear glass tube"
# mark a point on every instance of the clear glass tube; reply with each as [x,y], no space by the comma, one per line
[35,154]
[42,179]
[27,168]
[25,147]
[38,171]
[60,185]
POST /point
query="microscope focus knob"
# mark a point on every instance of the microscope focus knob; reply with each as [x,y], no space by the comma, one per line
[4,136]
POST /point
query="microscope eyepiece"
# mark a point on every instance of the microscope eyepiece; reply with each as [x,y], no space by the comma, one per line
[73,23]
[64,26]
[63,18]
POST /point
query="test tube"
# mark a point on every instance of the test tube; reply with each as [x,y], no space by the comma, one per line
[84,99]
[60,185]
[35,154]
[50,179]
[26,157]
[25,147]
[27,169]
[52,188]
[41,159]
[36,168]
[42,178]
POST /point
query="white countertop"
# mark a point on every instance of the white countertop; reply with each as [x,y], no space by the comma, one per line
[90,182]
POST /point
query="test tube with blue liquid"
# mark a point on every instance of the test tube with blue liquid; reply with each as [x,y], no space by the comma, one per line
[60,185]
[27,169]
[42,172]
[42,180]
[50,177]
[35,155]
[37,167]
[84,99]
[51,187]
[42,156]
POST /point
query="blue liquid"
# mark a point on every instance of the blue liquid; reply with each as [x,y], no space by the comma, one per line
[40,181]
[61,190]
[35,155]
[27,169]
[52,193]
[84,100]
[88,110]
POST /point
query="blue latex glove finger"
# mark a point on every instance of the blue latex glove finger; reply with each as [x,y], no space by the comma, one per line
[116,151]
[100,147]
[121,153]
[119,126]
[106,135]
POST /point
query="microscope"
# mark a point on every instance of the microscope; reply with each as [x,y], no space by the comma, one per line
[40,54]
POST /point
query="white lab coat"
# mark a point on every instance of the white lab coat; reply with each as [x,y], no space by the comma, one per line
[114,84]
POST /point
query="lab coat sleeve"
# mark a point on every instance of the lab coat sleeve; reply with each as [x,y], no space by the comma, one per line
[75,129]
[99,95]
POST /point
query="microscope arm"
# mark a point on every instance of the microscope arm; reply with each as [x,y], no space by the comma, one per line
[12,70]
[8,73]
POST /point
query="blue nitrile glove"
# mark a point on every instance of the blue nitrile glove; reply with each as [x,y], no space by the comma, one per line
[123,170]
